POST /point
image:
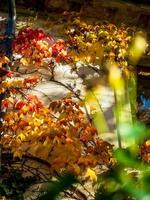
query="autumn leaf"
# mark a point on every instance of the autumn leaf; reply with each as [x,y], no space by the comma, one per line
[25,61]
[21,136]
[57,140]
[17,154]
[90,173]
[3,60]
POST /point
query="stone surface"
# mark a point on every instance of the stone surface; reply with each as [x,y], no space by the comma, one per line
[56,4]
[114,11]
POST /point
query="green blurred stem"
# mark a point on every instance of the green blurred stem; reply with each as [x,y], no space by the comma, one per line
[117,120]
[132,93]
[103,120]
[100,107]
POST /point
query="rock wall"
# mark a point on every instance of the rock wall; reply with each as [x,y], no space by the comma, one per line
[114,11]
[119,12]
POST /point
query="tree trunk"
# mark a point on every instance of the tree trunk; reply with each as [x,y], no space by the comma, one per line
[10,33]
[10,30]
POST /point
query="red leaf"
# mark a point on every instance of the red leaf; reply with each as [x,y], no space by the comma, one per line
[19,104]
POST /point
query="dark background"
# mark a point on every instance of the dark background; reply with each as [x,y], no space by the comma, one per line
[73,4]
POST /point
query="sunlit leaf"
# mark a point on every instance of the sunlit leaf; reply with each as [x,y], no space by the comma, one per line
[90,173]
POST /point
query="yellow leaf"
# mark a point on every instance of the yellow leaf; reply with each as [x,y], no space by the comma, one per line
[91,174]
[17,153]
[3,60]
[47,142]
[56,140]
[21,136]
[115,77]
[138,48]
[25,61]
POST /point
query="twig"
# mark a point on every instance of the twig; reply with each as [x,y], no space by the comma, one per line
[42,93]
[76,94]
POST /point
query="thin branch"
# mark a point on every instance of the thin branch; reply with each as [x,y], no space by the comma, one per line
[42,93]
[46,163]
[68,88]
[26,72]
[86,189]
[76,94]
[31,169]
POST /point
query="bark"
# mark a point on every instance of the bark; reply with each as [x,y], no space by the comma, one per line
[9,35]
[10,30]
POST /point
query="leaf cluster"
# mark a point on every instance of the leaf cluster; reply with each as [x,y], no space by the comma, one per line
[60,134]
[103,42]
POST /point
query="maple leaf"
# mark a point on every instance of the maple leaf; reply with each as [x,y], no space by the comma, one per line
[56,140]
[19,104]
[90,173]
[36,47]
[31,80]
[17,154]
[21,136]
[3,60]
[25,61]
[7,103]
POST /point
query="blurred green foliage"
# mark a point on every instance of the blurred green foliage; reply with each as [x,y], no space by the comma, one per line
[128,179]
